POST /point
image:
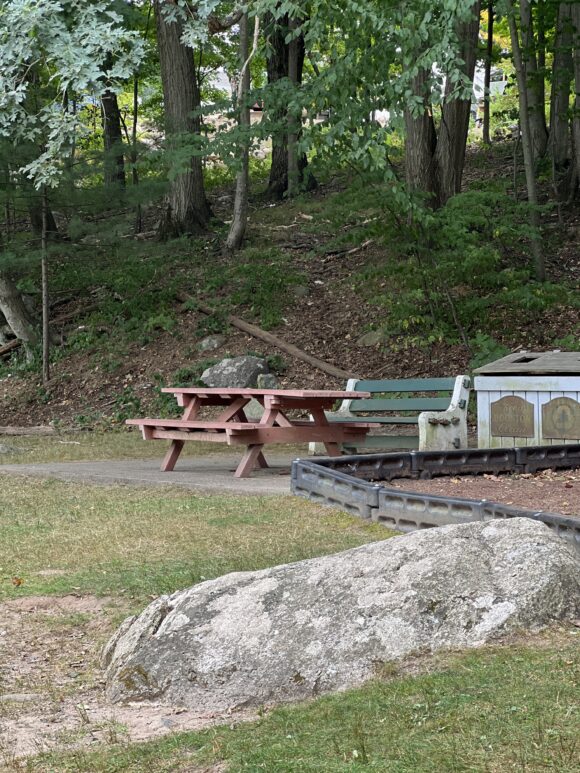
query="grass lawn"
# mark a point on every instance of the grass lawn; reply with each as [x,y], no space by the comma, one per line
[61,537]
[85,446]
[508,708]
[499,709]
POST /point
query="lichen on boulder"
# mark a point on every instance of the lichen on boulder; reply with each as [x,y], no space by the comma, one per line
[326,624]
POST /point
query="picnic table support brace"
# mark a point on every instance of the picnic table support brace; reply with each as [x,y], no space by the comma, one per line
[252,455]
[172,455]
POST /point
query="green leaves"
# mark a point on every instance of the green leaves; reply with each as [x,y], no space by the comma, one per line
[50,51]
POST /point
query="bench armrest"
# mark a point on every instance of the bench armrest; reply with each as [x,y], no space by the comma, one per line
[343,409]
[446,430]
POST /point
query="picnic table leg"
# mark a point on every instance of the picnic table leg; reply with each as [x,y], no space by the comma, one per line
[241,416]
[249,460]
[172,455]
[190,411]
[319,417]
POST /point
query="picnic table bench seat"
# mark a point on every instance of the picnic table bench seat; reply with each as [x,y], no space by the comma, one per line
[436,406]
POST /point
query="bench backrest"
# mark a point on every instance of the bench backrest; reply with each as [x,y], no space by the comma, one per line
[418,390]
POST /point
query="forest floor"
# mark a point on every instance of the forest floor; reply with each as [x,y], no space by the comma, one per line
[313,276]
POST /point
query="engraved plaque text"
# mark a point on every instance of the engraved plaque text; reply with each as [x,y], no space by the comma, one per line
[512,417]
[561,418]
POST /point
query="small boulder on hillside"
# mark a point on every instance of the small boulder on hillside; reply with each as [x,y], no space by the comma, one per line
[326,624]
[235,372]
[211,343]
[267,381]
[372,338]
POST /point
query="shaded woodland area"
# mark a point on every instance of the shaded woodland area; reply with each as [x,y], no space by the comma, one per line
[252,143]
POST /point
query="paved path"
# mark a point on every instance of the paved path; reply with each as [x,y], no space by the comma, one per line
[210,473]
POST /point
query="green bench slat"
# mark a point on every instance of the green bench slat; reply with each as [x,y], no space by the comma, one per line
[403,404]
[378,419]
[386,441]
[406,385]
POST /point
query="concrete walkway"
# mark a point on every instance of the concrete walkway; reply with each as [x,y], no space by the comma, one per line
[210,473]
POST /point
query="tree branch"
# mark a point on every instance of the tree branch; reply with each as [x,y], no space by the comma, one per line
[215,24]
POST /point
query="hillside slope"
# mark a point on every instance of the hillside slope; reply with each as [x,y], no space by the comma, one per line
[319,272]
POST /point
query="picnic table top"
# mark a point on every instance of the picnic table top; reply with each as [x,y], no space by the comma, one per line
[251,392]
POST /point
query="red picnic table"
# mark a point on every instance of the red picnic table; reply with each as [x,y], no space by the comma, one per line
[232,426]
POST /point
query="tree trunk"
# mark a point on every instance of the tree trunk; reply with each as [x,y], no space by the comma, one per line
[575,14]
[563,73]
[434,164]
[293,119]
[34,205]
[487,77]
[16,314]
[187,209]
[420,145]
[45,297]
[452,141]
[528,148]
[533,82]
[114,166]
[277,61]
[277,68]
[238,227]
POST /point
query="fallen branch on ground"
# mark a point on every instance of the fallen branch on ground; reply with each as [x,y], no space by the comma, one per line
[16,343]
[273,340]
[343,253]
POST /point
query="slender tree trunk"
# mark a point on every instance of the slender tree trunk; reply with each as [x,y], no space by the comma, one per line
[238,227]
[487,77]
[114,166]
[277,69]
[293,119]
[534,83]
[34,205]
[528,148]
[452,141]
[187,209]
[16,314]
[563,74]
[575,14]
[45,298]
[134,153]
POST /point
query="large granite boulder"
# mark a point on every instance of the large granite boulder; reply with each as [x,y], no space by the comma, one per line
[328,623]
[235,372]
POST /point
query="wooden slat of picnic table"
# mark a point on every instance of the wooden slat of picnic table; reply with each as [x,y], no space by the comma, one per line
[263,435]
[282,393]
[181,423]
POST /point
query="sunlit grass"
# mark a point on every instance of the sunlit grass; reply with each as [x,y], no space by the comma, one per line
[144,542]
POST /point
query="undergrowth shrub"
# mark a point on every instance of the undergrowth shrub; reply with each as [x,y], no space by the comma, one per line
[460,271]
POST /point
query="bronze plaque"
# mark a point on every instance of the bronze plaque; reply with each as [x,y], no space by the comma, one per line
[561,418]
[512,417]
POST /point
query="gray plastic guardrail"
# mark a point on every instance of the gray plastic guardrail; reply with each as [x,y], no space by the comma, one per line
[350,483]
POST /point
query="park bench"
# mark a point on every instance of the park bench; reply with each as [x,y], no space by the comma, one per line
[437,407]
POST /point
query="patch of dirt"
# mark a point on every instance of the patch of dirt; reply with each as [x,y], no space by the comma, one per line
[549,490]
[53,688]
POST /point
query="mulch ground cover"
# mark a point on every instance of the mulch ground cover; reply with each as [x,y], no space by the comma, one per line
[549,490]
